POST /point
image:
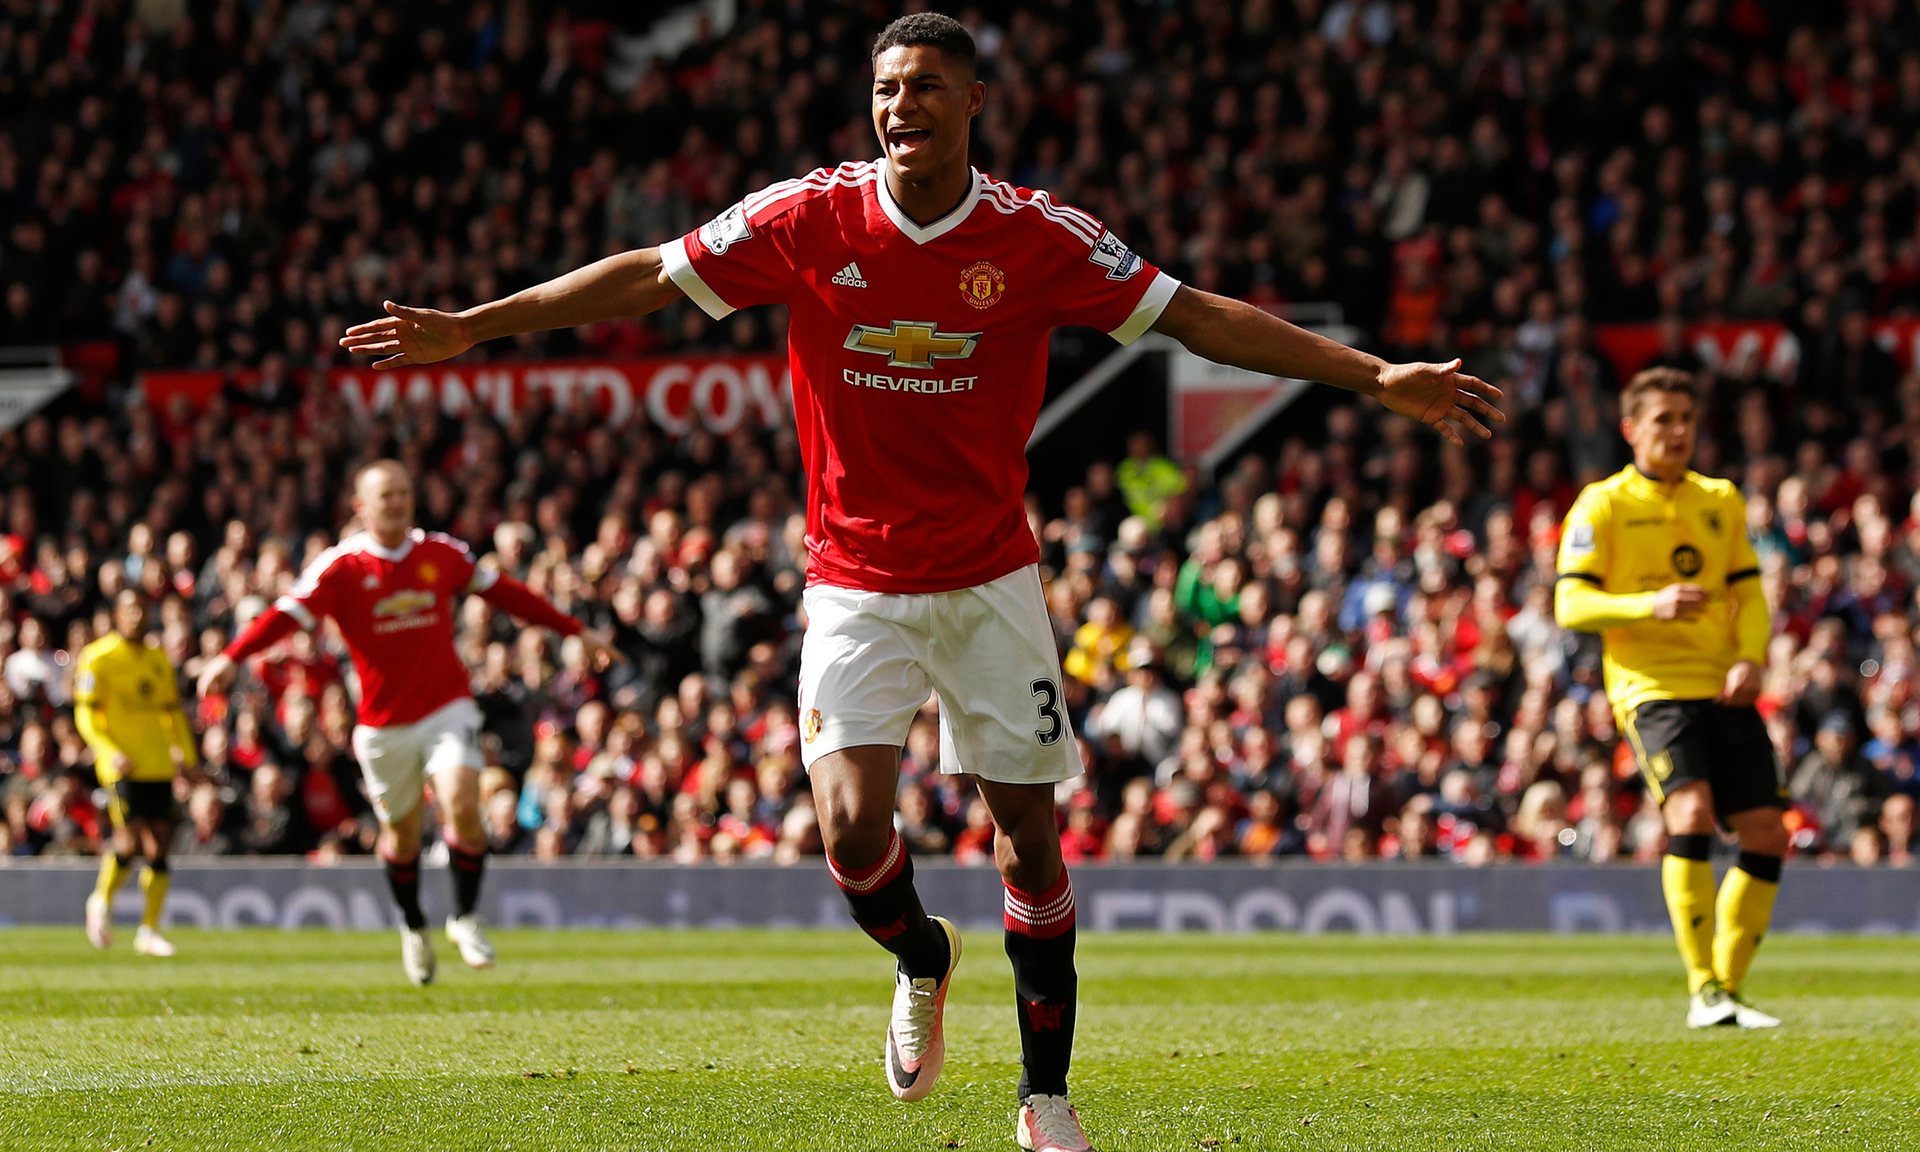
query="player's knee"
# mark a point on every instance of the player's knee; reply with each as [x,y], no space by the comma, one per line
[463,809]
[1689,812]
[856,833]
[400,842]
[1764,837]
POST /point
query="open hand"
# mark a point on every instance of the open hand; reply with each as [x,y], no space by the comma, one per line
[215,675]
[1442,397]
[601,651]
[408,336]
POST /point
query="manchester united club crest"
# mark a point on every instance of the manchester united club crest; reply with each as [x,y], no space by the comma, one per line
[982,284]
[810,727]
[428,572]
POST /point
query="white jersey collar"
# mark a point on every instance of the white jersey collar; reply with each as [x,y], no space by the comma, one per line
[917,233]
[371,545]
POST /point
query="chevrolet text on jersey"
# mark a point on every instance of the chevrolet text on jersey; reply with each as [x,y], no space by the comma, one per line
[908,383]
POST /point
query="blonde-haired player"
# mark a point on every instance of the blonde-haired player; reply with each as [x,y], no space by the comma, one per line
[127,708]
[1656,559]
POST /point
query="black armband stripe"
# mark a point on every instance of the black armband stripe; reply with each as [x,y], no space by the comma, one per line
[1587,576]
[1743,574]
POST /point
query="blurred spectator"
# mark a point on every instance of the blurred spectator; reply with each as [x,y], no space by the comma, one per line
[204,832]
[1837,784]
[1140,721]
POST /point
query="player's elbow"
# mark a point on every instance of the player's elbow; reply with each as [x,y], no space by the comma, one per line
[1568,611]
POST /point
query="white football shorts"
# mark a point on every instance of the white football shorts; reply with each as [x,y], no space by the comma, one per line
[396,760]
[869,659]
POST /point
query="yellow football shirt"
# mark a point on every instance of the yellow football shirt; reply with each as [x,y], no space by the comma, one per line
[1631,535]
[127,703]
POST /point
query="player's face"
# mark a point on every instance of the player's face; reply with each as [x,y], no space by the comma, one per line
[1662,434]
[130,616]
[922,104]
[384,500]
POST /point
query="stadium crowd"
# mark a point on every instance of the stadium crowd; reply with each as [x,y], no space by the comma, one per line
[1344,650]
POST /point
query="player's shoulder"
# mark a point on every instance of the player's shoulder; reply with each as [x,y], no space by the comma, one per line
[354,546]
[1601,493]
[818,186]
[441,542]
[97,650]
[1716,487]
[1037,209]
[351,554]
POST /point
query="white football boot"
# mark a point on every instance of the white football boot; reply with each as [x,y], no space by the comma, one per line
[148,942]
[468,936]
[416,955]
[1711,1007]
[916,1035]
[99,922]
[1049,1124]
[1747,1016]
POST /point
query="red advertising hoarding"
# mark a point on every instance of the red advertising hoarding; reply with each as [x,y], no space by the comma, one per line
[675,394]
[1732,346]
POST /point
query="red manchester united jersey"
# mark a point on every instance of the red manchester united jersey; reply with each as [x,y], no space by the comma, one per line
[395,609]
[918,356]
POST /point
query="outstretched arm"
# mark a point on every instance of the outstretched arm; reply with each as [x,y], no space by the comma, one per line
[526,605]
[628,284]
[266,630]
[1230,332]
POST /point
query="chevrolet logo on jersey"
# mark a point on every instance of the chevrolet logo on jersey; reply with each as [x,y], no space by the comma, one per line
[912,344]
[404,603]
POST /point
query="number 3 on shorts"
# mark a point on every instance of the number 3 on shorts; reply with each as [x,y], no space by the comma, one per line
[1049,694]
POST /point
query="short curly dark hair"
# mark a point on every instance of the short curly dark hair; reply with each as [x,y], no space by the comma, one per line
[932,28]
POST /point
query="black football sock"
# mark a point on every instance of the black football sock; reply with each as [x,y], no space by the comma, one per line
[403,876]
[1040,938]
[468,868]
[884,903]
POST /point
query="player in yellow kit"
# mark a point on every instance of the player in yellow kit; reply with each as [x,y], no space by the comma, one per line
[127,707]
[1656,559]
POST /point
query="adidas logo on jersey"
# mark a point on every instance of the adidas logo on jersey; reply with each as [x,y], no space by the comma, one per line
[849,277]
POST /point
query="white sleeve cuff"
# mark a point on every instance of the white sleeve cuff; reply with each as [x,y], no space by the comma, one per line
[679,267]
[1152,303]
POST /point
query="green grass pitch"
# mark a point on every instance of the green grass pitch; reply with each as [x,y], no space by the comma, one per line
[771,1041]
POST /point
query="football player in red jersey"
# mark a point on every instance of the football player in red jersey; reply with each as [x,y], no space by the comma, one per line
[922,293]
[392,590]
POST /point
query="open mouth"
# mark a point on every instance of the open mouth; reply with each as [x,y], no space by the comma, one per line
[907,141]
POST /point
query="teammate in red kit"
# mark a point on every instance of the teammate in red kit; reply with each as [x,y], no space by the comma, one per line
[392,590]
[921,295]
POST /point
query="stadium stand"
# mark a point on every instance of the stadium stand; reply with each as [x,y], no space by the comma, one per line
[1340,650]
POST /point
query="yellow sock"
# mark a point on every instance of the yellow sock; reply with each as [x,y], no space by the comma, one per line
[1688,885]
[113,873]
[154,885]
[1745,910]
